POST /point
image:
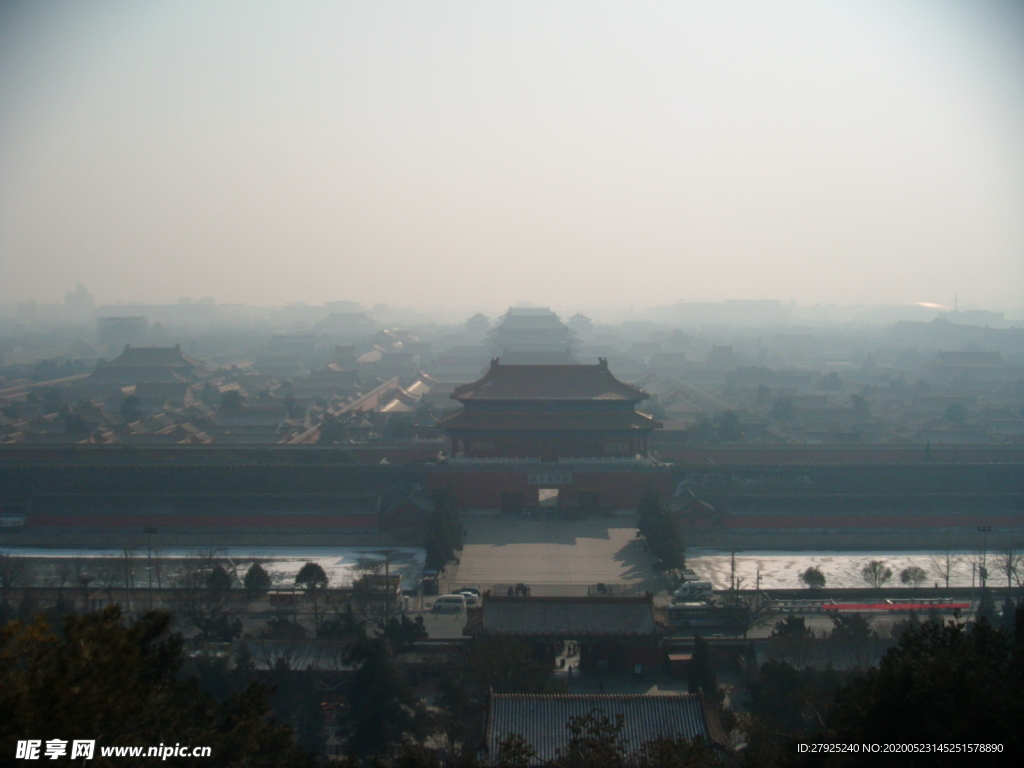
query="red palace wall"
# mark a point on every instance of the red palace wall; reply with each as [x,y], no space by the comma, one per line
[482,489]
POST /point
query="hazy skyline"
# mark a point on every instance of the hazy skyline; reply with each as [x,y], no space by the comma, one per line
[566,153]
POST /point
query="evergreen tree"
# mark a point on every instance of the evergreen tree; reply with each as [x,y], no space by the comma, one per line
[659,528]
[121,685]
[943,683]
[443,533]
[813,578]
[257,580]
[702,672]
[313,578]
[218,579]
[382,707]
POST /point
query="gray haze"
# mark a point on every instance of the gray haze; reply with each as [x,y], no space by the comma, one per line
[573,153]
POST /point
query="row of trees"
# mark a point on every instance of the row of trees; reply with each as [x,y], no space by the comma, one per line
[1009,562]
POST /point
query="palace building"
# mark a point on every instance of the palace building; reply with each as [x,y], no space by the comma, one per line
[563,436]
[549,412]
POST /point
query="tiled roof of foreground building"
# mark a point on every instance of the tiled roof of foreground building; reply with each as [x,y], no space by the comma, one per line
[565,617]
[542,720]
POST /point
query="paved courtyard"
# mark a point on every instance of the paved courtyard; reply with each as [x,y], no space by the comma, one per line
[552,556]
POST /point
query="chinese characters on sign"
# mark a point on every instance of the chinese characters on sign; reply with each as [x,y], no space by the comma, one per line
[30,749]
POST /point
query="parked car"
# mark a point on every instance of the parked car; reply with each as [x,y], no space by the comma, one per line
[450,604]
[694,590]
[472,597]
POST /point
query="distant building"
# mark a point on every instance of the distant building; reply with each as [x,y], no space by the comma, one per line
[530,330]
[347,325]
[581,324]
[116,331]
[477,325]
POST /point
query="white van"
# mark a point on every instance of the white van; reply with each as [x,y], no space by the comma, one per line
[450,603]
[695,590]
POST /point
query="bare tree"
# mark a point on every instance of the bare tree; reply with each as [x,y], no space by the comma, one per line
[876,573]
[157,563]
[14,572]
[762,610]
[1010,562]
[946,563]
[914,575]
[64,574]
[109,572]
[83,578]
[979,559]
[205,607]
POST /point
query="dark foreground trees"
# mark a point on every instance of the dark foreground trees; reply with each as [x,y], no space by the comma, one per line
[119,684]
[941,684]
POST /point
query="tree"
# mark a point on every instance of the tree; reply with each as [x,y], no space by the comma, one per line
[14,572]
[986,607]
[333,430]
[130,409]
[232,399]
[813,578]
[792,626]
[75,424]
[946,563]
[257,580]
[914,575]
[218,580]
[506,666]
[313,578]
[443,531]
[876,573]
[852,640]
[729,430]
[659,528]
[1010,563]
[403,633]
[791,701]
[382,707]
[109,572]
[793,641]
[205,608]
[943,683]
[596,740]
[121,684]
[702,673]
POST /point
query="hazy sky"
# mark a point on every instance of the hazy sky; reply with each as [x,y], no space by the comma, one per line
[567,153]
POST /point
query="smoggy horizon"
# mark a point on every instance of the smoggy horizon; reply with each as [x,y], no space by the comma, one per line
[571,154]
